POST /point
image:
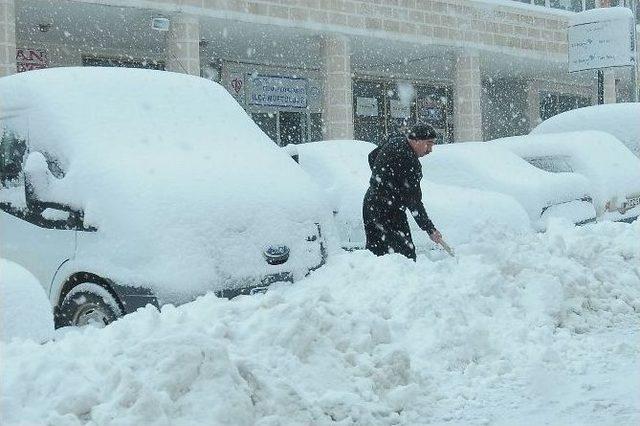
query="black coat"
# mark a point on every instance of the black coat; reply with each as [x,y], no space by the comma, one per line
[394,187]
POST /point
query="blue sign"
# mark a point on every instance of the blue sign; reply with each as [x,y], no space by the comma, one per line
[275,91]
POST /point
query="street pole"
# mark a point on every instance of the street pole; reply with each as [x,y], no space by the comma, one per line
[634,79]
[600,87]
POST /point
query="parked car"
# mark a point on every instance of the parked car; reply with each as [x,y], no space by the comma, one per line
[341,169]
[25,312]
[613,171]
[621,120]
[123,187]
[485,166]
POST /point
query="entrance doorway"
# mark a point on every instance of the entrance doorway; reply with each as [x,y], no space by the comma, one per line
[380,110]
[289,127]
[292,127]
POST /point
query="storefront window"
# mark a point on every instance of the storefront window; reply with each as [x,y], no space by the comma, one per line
[434,107]
[292,127]
[315,127]
[555,103]
[268,122]
[368,111]
[572,5]
[91,61]
[382,109]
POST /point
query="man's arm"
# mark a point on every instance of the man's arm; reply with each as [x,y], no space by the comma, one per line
[418,211]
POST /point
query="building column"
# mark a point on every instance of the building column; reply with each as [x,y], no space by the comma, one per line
[466,104]
[337,105]
[609,86]
[183,45]
[7,37]
[533,100]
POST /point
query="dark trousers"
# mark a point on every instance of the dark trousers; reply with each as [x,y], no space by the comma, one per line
[386,228]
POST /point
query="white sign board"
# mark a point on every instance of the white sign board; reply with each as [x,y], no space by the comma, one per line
[366,107]
[277,91]
[601,39]
[399,109]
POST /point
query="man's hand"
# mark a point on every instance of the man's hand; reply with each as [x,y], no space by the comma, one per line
[435,236]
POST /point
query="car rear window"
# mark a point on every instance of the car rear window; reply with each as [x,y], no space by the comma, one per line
[559,164]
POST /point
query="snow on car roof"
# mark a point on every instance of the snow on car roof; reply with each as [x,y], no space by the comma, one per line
[168,162]
[481,165]
[604,160]
[621,120]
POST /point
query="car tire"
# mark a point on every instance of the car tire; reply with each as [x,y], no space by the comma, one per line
[89,304]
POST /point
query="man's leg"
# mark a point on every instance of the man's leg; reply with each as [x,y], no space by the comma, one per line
[373,229]
[399,238]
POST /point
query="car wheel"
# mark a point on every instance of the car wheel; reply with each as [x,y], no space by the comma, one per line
[89,304]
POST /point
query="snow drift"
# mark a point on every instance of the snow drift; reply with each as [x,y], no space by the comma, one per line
[25,311]
[534,328]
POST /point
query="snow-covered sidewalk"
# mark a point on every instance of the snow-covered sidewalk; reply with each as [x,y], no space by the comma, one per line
[519,329]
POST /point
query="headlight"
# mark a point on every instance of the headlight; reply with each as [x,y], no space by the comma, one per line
[276,255]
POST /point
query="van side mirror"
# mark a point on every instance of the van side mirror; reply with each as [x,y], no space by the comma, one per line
[37,179]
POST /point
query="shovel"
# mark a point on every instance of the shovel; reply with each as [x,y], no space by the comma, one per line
[446,248]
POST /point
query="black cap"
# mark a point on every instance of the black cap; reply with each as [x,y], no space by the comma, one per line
[421,132]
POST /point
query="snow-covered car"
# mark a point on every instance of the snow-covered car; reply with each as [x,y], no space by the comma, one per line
[341,169]
[613,171]
[123,187]
[621,120]
[488,167]
[25,312]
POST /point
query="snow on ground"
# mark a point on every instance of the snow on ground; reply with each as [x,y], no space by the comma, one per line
[25,310]
[518,329]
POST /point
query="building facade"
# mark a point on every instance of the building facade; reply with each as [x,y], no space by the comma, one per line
[333,69]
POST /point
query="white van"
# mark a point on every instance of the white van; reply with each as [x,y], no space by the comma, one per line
[123,187]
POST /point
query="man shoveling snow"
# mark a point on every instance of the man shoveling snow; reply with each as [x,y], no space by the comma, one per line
[394,187]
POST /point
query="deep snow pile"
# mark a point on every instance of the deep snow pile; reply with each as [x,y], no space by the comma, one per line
[25,310]
[519,329]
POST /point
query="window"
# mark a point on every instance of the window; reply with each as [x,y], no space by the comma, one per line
[292,127]
[555,103]
[268,122]
[91,61]
[558,164]
[572,5]
[368,111]
[379,111]
[315,127]
[12,152]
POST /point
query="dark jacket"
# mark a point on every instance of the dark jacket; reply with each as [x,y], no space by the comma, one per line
[395,182]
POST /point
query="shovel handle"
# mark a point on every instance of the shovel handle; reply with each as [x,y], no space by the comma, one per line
[446,248]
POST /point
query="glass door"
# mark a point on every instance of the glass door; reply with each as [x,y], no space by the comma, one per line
[292,127]
[268,122]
